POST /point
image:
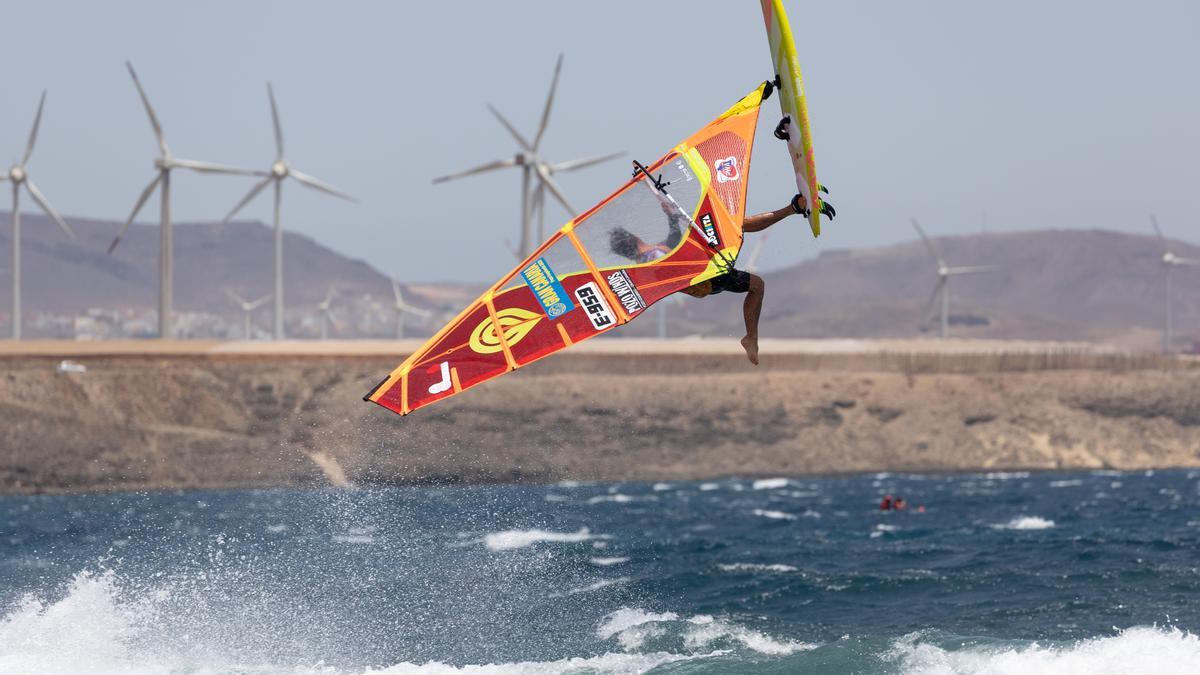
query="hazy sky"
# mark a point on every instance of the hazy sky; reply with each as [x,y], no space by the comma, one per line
[1075,113]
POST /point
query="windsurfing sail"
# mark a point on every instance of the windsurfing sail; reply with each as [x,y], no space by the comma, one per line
[793,127]
[675,223]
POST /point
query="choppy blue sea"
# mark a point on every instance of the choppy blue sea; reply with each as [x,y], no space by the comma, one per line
[1002,573]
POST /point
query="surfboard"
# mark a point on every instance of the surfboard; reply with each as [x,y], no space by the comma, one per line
[794,108]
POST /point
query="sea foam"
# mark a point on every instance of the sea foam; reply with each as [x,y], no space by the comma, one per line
[1163,651]
[1026,523]
[633,627]
[512,539]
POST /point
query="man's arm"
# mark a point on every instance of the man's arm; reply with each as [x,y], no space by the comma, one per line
[762,221]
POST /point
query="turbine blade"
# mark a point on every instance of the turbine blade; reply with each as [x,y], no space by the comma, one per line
[490,166]
[235,297]
[209,167]
[929,244]
[396,292]
[974,269]
[544,176]
[41,201]
[1158,231]
[511,129]
[158,132]
[937,289]
[275,121]
[328,298]
[752,263]
[582,163]
[259,302]
[37,122]
[315,184]
[1193,262]
[409,309]
[136,207]
[258,187]
[537,140]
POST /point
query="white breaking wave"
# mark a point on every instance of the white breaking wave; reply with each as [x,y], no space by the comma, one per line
[607,562]
[774,515]
[620,498]
[707,487]
[512,539]
[603,583]
[632,627]
[87,630]
[1006,475]
[1065,483]
[1162,651]
[662,487]
[754,567]
[1026,523]
[770,483]
[708,630]
[617,664]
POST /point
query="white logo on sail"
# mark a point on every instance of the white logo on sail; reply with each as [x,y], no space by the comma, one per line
[445,383]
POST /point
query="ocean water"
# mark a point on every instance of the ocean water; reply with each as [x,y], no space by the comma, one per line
[1001,573]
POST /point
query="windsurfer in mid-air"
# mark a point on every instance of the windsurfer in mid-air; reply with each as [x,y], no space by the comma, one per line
[627,244]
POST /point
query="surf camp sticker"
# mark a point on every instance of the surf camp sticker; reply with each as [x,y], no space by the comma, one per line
[547,289]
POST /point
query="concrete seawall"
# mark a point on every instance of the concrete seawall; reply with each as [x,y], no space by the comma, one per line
[199,415]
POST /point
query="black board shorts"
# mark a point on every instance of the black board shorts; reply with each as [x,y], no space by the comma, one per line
[734,281]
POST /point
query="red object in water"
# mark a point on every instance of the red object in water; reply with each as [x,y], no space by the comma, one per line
[886,504]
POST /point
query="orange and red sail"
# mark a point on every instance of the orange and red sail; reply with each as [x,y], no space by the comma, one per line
[674,225]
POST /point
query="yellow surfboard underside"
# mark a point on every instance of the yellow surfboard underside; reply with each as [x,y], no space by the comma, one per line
[793,106]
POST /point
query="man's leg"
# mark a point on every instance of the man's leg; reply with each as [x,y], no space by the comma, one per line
[751,308]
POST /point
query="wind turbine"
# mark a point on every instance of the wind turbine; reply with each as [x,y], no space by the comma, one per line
[279,171]
[163,164]
[19,176]
[326,313]
[403,308]
[533,167]
[752,262]
[1169,261]
[944,273]
[248,308]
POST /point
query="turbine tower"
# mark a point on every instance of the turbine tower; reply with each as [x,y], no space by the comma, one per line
[326,313]
[403,308]
[248,308]
[533,167]
[279,171]
[19,176]
[1169,261]
[163,165]
[944,273]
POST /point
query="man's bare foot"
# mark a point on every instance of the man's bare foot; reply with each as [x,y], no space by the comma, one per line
[751,346]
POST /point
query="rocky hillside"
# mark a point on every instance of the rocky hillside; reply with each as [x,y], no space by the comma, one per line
[159,422]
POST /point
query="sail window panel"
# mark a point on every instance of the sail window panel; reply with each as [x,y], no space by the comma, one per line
[638,226]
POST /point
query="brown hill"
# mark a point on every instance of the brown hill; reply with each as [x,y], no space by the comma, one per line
[66,278]
[1055,284]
